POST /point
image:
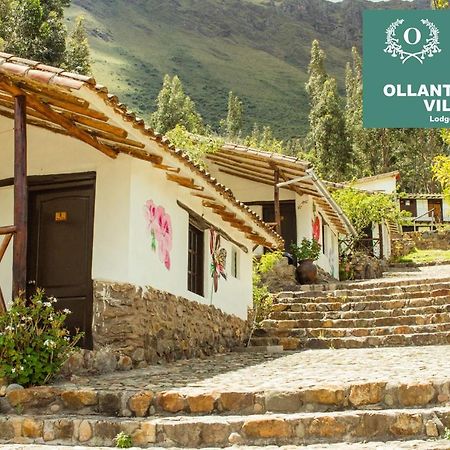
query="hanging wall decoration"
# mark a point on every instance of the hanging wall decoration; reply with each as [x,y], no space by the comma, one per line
[316,229]
[218,259]
[159,224]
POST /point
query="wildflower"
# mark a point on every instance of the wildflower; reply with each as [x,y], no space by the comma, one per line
[49,343]
[67,311]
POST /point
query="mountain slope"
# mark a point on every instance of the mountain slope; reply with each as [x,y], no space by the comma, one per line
[257,48]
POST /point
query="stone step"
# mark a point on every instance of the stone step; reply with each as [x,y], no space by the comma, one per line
[363,305]
[221,431]
[390,340]
[367,285]
[323,333]
[398,320]
[323,397]
[422,444]
[438,290]
[364,314]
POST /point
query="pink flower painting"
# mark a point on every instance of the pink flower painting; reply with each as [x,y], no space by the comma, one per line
[159,225]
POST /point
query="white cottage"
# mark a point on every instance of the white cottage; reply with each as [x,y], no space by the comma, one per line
[427,211]
[151,254]
[379,236]
[286,192]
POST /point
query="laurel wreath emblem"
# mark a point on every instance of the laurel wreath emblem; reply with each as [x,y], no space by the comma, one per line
[394,48]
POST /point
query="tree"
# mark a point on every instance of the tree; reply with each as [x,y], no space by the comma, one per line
[327,138]
[441,173]
[78,57]
[35,29]
[364,208]
[194,145]
[263,139]
[174,108]
[232,125]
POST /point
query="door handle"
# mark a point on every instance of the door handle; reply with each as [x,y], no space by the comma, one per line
[31,283]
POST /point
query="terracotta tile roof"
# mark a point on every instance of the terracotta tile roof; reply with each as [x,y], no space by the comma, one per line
[20,72]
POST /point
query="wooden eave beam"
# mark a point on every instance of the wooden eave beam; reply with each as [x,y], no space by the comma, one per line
[279,161]
[57,118]
[183,181]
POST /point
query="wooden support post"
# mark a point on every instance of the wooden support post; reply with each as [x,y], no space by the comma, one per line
[277,200]
[380,235]
[20,196]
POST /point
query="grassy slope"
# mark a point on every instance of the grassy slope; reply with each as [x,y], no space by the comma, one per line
[214,46]
[427,256]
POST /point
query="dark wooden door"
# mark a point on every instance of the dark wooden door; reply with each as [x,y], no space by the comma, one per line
[288,221]
[436,205]
[61,218]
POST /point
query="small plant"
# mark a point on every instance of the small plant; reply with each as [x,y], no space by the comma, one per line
[34,344]
[308,249]
[123,440]
[447,434]
[267,262]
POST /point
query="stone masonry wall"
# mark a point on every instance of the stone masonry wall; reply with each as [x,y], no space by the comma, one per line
[151,326]
[431,240]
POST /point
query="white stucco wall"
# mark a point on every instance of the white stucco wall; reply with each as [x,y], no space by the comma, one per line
[121,240]
[328,261]
[386,184]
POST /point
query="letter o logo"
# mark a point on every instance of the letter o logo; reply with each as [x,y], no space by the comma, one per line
[407,36]
[389,90]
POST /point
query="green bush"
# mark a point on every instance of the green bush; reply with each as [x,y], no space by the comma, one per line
[308,249]
[34,344]
[262,298]
[123,440]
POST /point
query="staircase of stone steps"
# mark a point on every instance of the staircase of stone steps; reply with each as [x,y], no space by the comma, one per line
[380,313]
[363,411]
[311,397]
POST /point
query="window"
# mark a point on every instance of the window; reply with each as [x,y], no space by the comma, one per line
[234,263]
[195,260]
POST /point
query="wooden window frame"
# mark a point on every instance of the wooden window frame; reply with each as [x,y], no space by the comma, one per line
[196,259]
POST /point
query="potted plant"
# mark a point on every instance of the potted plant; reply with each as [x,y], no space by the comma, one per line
[305,254]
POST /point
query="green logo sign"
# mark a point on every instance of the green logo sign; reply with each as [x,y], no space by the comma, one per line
[406,69]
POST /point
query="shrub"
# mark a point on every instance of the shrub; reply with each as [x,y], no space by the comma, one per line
[262,298]
[308,249]
[123,440]
[34,344]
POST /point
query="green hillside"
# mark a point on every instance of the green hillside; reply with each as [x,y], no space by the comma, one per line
[257,48]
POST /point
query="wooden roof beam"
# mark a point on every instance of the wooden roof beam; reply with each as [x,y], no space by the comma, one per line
[57,118]
[183,181]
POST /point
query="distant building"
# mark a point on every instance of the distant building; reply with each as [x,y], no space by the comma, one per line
[427,211]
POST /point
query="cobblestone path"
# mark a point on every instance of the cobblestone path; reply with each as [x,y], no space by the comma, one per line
[259,372]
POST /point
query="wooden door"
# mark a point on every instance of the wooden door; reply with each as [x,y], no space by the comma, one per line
[436,205]
[61,218]
[288,221]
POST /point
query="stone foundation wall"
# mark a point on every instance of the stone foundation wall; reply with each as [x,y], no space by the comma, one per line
[151,326]
[428,240]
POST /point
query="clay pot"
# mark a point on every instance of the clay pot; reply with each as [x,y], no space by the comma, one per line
[306,272]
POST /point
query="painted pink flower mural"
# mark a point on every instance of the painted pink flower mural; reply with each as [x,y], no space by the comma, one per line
[218,259]
[159,225]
